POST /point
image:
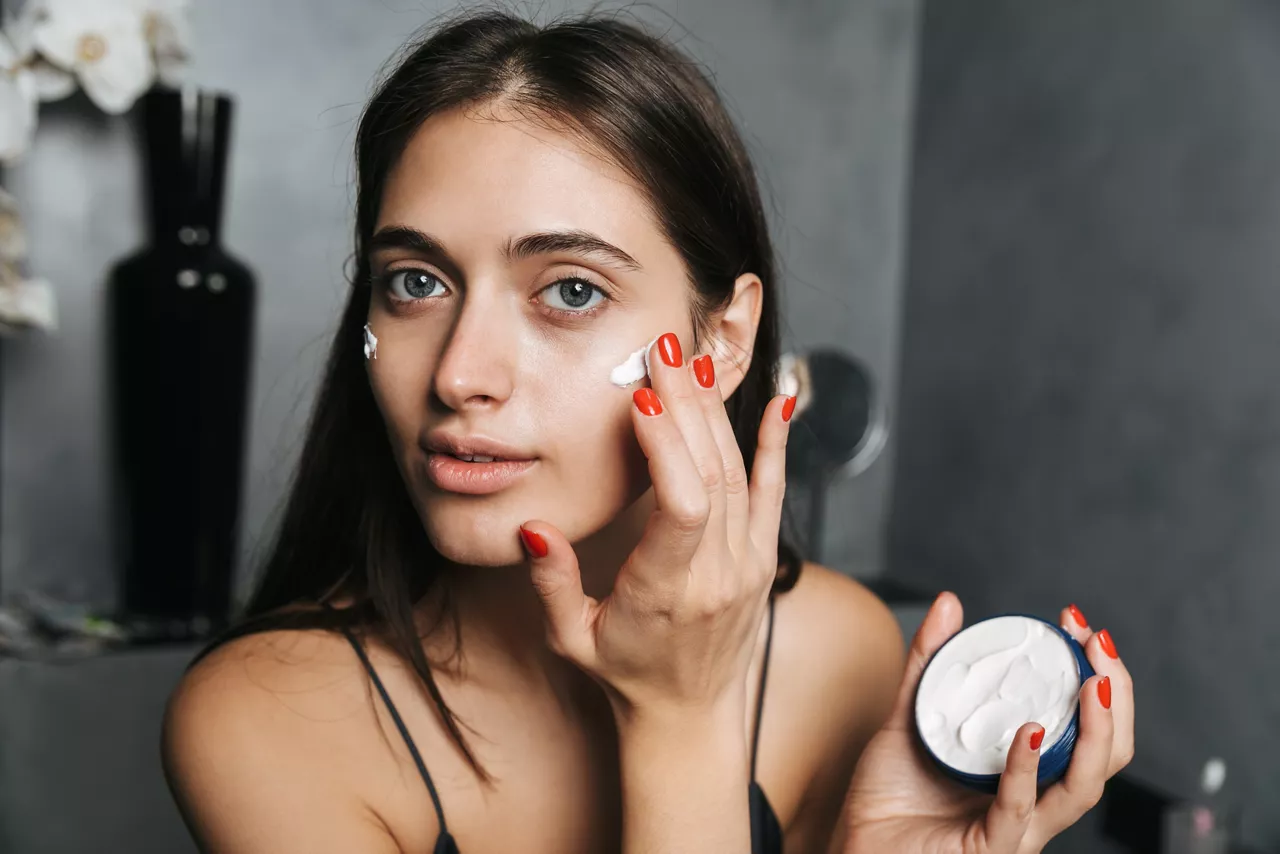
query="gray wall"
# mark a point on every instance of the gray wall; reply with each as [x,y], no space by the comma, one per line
[822,89]
[1090,395]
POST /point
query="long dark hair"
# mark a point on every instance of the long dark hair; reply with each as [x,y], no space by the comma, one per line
[349,529]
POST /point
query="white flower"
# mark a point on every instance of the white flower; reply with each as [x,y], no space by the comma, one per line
[26,303]
[51,82]
[13,237]
[169,32]
[17,103]
[104,42]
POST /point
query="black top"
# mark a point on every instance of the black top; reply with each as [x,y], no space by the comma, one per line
[766,831]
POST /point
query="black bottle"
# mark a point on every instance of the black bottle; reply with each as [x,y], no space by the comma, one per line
[180,327]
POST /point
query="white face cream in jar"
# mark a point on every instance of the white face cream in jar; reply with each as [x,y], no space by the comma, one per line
[990,679]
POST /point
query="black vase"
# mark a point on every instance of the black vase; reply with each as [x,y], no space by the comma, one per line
[181,321]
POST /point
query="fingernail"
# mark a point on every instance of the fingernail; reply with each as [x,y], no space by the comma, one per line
[1107,644]
[1078,616]
[788,408]
[705,371]
[534,543]
[647,401]
[669,350]
[1037,738]
[1104,692]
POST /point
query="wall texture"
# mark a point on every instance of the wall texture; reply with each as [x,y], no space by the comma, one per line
[822,89]
[1090,394]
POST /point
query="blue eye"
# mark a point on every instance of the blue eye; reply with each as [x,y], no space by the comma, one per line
[409,285]
[576,295]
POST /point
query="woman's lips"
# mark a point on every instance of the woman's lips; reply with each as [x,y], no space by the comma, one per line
[474,478]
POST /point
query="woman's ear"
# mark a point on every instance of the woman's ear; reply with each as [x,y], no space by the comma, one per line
[733,335]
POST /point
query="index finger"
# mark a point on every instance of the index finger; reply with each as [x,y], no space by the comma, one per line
[683,506]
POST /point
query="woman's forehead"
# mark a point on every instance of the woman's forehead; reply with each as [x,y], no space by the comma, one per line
[475,173]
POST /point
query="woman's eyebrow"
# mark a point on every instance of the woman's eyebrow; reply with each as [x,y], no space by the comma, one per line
[404,237]
[575,241]
[540,243]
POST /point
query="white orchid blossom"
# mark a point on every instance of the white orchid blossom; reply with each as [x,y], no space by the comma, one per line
[51,82]
[168,31]
[114,49]
[17,103]
[24,303]
[103,43]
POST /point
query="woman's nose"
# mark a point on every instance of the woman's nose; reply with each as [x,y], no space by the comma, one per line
[478,363]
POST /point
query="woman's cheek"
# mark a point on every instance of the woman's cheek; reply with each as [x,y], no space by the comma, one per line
[400,390]
[618,474]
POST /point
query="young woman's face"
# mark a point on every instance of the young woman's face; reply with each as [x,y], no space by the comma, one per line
[513,270]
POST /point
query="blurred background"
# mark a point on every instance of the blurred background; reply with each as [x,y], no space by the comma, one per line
[1036,244]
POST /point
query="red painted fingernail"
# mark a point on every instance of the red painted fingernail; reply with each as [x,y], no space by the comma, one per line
[788,408]
[1078,616]
[534,543]
[1107,644]
[1104,692]
[1037,738]
[647,401]
[669,350]
[705,371]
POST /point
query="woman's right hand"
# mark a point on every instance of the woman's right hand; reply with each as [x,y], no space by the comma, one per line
[675,636]
[672,642]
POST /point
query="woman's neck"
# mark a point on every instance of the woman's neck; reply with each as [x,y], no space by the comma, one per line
[499,617]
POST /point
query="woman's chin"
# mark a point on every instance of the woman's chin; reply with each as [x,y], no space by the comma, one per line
[484,556]
[497,550]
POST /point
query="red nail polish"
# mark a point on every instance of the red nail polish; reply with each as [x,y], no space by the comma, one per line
[534,543]
[788,408]
[1078,616]
[1104,692]
[647,401]
[1037,738]
[669,350]
[1107,644]
[705,371]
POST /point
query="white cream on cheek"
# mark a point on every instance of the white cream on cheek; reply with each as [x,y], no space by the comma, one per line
[989,680]
[370,343]
[635,368]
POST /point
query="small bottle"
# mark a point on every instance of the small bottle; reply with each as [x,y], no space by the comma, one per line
[1204,825]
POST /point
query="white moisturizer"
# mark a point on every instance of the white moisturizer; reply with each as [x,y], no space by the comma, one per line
[370,343]
[634,369]
[989,680]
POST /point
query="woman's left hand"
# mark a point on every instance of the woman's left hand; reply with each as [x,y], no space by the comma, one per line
[899,801]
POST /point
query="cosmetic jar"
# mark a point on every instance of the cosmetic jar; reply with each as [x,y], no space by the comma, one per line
[986,682]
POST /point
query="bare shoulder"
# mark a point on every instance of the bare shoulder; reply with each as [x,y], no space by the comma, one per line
[264,732]
[263,685]
[833,628]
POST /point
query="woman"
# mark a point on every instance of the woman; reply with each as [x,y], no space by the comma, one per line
[515,607]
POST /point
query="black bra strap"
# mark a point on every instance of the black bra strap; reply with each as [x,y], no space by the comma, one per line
[764,678]
[404,732]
